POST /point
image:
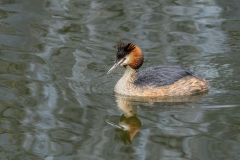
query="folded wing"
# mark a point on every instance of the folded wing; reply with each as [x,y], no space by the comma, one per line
[161,75]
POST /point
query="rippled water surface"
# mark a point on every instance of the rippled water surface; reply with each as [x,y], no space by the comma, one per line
[55,96]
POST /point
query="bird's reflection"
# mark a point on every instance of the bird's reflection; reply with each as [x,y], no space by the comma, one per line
[129,124]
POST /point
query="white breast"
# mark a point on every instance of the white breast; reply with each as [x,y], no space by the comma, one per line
[125,84]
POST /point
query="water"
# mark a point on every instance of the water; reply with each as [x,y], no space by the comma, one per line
[55,96]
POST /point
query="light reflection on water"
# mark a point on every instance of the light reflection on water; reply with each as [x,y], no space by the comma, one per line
[55,95]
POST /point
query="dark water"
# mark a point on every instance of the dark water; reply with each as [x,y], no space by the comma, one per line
[55,96]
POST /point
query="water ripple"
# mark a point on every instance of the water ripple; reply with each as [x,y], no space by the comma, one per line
[55,95]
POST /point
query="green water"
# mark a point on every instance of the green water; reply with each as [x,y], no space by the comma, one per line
[55,96]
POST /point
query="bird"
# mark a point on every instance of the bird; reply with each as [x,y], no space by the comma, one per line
[154,81]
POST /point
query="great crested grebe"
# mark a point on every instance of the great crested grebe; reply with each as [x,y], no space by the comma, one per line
[153,81]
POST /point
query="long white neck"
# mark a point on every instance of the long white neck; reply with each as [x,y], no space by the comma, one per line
[129,74]
[126,81]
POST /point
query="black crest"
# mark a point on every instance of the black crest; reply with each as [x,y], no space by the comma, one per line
[124,49]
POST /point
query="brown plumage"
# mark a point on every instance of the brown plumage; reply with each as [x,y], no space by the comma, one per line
[136,56]
[185,86]
[153,81]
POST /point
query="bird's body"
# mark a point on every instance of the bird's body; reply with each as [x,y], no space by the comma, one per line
[153,81]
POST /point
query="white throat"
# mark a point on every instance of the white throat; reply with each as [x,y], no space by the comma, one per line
[126,81]
[129,74]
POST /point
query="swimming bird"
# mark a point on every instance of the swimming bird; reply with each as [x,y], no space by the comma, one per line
[153,81]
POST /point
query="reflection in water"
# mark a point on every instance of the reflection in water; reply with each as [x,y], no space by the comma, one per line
[129,123]
[126,129]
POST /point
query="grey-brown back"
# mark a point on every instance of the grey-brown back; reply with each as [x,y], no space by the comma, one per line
[161,75]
